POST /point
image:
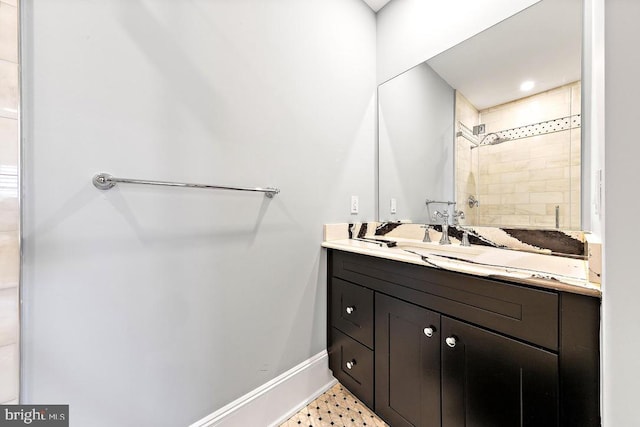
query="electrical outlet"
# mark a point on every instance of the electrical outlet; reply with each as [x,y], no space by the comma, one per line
[394,206]
[354,204]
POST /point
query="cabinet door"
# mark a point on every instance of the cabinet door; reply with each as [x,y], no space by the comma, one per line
[491,380]
[407,363]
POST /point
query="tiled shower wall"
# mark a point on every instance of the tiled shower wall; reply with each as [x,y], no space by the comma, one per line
[9,212]
[466,160]
[520,182]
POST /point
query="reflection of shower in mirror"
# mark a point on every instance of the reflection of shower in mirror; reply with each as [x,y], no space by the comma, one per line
[493,138]
[527,163]
[528,156]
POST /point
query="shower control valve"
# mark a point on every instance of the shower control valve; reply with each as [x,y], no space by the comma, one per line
[472,201]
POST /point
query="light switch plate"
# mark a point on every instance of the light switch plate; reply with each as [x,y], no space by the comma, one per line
[354,204]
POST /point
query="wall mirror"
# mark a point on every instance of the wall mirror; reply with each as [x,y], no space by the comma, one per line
[493,123]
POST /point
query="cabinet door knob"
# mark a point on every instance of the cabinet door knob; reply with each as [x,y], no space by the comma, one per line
[451,341]
[350,309]
[351,364]
[428,331]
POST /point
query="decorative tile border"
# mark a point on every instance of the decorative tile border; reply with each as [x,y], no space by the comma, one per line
[542,128]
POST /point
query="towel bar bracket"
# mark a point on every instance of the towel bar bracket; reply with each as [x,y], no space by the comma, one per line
[102,181]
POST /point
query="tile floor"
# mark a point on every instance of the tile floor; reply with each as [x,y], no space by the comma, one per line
[336,407]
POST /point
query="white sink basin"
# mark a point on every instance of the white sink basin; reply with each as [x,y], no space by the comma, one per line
[426,249]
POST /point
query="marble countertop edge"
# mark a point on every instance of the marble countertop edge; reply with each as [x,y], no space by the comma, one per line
[573,285]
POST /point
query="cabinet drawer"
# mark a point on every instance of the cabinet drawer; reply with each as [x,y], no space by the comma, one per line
[352,310]
[518,311]
[352,364]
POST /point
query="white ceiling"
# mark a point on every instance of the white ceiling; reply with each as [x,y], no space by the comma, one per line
[376,5]
[542,43]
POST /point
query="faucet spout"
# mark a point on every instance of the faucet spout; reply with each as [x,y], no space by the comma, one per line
[444,240]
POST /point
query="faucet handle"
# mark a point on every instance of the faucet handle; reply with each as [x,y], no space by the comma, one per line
[444,215]
[426,238]
[457,215]
[465,239]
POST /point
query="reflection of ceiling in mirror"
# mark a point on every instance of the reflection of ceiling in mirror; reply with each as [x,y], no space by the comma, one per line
[543,43]
[376,5]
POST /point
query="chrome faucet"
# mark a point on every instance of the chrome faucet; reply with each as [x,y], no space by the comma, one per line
[457,216]
[444,240]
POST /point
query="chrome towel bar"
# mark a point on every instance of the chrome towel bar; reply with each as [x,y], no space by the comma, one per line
[429,201]
[104,181]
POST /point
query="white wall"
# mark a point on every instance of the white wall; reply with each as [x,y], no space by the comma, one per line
[416,115]
[621,290]
[156,306]
[412,31]
[593,108]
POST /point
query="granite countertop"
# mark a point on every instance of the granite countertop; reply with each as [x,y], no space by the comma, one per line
[569,274]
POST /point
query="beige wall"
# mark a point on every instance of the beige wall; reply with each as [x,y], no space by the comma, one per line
[9,213]
[520,182]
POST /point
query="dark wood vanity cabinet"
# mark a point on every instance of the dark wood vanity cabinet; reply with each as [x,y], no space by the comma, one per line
[491,380]
[407,363]
[351,350]
[426,347]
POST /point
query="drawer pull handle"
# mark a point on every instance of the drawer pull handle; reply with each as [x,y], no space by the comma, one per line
[451,341]
[429,331]
[351,364]
[350,309]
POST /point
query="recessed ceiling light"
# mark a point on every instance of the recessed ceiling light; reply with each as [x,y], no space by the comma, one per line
[527,86]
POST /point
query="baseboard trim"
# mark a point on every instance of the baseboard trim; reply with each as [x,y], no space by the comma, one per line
[277,400]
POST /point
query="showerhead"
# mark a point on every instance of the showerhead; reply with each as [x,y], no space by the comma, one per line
[494,138]
[499,140]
